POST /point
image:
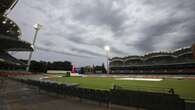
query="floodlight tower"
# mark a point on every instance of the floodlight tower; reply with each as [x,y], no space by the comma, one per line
[107,49]
[37,27]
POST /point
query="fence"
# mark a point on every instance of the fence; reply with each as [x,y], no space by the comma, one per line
[139,99]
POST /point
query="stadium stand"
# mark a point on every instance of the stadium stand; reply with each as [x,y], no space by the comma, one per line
[179,61]
[10,34]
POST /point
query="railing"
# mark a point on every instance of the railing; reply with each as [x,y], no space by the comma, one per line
[139,99]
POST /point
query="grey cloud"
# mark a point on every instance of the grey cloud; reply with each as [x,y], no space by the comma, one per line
[155,32]
[101,13]
[76,39]
[162,27]
[188,41]
[99,42]
[142,24]
[60,52]
[189,29]
[117,51]
[48,43]
[86,52]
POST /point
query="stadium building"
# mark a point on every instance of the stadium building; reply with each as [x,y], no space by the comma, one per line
[179,61]
[10,35]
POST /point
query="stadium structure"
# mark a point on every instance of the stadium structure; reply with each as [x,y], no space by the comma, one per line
[179,61]
[10,35]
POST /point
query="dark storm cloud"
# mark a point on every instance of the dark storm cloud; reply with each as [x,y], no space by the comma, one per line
[101,13]
[82,28]
[162,27]
[154,32]
[160,30]
[189,29]
[59,52]
[86,52]
[76,39]
[115,50]
[48,43]
[189,39]
[99,42]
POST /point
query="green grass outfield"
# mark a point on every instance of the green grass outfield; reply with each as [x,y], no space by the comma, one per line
[185,87]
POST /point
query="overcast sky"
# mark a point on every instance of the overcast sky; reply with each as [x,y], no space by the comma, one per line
[78,30]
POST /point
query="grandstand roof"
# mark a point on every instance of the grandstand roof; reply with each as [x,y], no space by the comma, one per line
[174,53]
[10,36]
[5,5]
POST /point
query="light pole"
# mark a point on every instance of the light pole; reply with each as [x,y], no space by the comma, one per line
[107,49]
[37,27]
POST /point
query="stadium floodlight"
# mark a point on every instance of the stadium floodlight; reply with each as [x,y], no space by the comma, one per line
[37,27]
[107,49]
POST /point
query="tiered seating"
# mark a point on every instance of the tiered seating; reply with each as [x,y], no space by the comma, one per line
[178,61]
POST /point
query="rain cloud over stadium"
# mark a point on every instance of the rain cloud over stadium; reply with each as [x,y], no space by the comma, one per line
[78,30]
